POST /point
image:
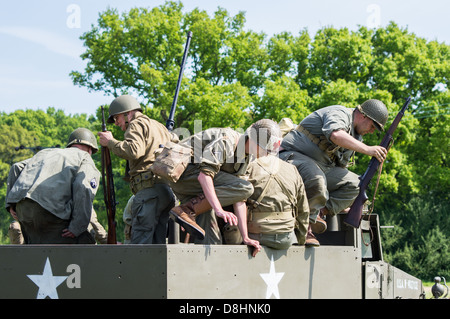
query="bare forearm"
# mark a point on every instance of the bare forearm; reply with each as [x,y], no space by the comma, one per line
[345,140]
[207,184]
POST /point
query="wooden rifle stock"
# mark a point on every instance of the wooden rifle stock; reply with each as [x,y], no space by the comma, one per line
[354,215]
[108,189]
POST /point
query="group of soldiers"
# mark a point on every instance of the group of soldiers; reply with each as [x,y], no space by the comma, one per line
[273,185]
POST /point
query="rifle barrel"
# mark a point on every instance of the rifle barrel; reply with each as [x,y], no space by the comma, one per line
[170,121]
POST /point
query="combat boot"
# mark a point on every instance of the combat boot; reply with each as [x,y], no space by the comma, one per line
[185,214]
[320,225]
[311,240]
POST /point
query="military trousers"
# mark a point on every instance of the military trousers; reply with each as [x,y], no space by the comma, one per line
[150,214]
[39,226]
[275,241]
[327,186]
[229,189]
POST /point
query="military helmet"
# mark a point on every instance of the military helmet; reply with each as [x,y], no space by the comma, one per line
[85,137]
[122,104]
[376,111]
[265,133]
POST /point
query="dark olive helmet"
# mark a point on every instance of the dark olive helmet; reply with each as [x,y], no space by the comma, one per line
[122,104]
[266,133]
[376,111]
[85,137]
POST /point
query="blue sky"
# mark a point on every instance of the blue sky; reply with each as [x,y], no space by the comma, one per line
[40,46]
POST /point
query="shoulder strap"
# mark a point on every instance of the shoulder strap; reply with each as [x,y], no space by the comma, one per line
[256,203]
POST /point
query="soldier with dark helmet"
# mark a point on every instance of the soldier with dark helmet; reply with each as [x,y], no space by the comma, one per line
[51,194]
[216,178]
[153,198]
[277,212]
[321,148]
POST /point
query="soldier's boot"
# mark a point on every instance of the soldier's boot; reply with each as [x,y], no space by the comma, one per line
[311,240]
[185,214]
[320,225]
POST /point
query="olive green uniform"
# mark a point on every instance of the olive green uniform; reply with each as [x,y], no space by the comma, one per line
[153,197]
[219,153]
[278,203]
[52,191]
[322,164]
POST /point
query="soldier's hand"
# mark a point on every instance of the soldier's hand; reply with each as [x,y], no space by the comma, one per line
[255,244]
[105,137]
[67,233]
[228,217]
[379,152]
[13,213]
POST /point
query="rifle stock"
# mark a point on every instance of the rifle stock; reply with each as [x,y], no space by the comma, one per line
[108,189]
[354,215]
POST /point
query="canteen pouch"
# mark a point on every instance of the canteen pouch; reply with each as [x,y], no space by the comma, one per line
[172,161]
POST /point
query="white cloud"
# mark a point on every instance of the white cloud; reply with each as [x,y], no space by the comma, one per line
[51,41]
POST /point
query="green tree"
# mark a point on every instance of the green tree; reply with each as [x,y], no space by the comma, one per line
[235,76]
[24,133]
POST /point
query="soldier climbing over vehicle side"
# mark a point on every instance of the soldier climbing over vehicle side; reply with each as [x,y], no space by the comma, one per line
[278,210]
[215,179]
[321,148]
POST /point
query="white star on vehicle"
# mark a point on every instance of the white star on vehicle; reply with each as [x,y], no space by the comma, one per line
[272,279]
[47,283]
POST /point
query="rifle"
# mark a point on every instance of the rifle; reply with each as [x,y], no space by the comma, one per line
[353,217]
[170,122]
[108,189]
[174,236]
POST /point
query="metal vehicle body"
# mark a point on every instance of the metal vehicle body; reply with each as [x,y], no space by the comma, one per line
[343,267]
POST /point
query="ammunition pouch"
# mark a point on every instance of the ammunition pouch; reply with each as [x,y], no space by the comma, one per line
[172,161]
[141,181]
[326,146]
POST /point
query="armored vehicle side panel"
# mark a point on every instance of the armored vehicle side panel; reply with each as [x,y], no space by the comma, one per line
[178,271]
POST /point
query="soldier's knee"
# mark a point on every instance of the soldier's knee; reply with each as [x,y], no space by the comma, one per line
[247,189]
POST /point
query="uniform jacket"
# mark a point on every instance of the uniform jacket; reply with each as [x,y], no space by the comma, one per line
[283,198]
[322,123]
[141,139]
[62,181]
[219,149]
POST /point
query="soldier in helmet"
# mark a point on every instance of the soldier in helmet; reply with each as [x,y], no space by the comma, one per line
[153,198]
[51,194]
[278,210]
[321,147]
[216,178]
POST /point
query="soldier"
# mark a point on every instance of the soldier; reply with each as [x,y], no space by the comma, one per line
[321,147]
[277,206]
[16,237]
[153,198]
[51,194]
[213,180]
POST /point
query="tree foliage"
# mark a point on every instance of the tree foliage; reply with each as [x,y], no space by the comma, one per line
[235,76]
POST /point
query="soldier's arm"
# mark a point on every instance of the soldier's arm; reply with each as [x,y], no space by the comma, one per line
[345,140]
[240,209]
[133,145]
[14,174]
[84,188]
[207,185]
